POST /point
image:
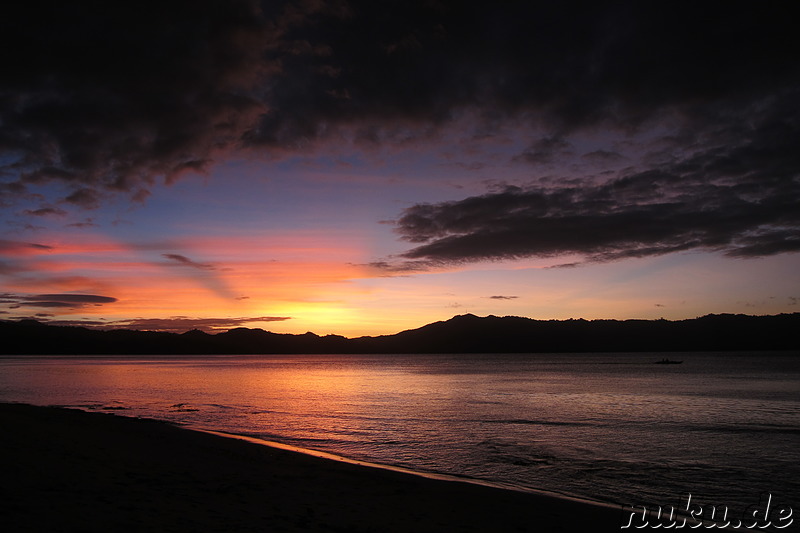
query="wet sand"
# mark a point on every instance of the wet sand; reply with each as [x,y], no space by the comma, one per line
[71,471]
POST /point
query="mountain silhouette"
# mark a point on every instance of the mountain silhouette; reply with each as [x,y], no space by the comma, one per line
[460,334]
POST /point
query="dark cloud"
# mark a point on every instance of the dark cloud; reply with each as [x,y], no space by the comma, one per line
[73,298]
[88,223]
[182,260]
[738,197]
[501,297]
[111,96]
[393,72]
[179,324]
[399,268]
[545,151]
[50,304]
[61,300]
[175,324]
[45,212]
[601,157]
[85,198]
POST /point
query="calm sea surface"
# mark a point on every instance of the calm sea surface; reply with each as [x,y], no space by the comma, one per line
[611,427]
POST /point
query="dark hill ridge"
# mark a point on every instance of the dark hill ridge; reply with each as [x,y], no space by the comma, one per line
[460,334]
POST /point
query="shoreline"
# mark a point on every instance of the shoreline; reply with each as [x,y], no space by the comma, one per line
[428,475]
[72,470]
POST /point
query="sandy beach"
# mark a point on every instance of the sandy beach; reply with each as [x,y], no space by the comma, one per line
[72,471]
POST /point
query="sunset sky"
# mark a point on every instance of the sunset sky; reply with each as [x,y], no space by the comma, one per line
[364,167]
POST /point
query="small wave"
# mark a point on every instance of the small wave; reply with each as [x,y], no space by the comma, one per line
[219,406]
[524,421]
[89,406]
[526,461]
[182,408]
[753,428]
[112,406]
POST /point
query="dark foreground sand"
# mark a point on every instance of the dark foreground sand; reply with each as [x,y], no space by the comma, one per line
[69,471]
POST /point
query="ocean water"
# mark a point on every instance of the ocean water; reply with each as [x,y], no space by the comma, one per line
[724,427]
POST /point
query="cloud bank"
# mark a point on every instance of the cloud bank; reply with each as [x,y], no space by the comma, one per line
[704,202]
[114,94]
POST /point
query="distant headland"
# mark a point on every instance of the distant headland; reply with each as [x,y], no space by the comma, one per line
[460,334]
